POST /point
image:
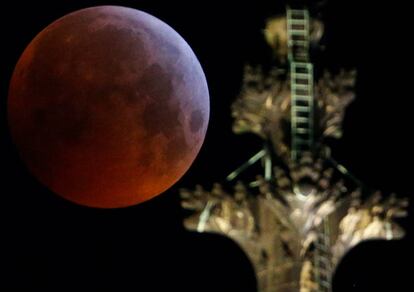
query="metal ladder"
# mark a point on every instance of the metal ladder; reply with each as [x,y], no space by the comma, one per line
[322,259]
[301,82]
[302,126]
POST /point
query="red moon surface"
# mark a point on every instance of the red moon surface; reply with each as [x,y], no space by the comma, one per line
[108,106]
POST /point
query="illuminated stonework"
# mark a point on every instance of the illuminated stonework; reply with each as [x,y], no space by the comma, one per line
[298,217]
[295,229]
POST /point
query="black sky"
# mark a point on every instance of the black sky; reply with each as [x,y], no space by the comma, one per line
[53,245]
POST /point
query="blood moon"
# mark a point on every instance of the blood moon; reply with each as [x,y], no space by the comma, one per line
[108,106]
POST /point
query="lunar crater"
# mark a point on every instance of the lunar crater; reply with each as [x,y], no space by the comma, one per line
[196,121]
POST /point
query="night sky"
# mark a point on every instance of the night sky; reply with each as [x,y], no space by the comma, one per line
[50,244]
